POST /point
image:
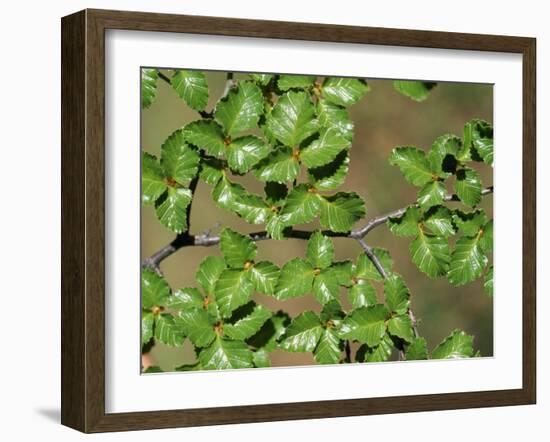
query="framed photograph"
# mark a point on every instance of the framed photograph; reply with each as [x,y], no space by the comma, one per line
[267,221]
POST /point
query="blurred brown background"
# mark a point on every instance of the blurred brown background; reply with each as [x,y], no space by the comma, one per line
[383,120]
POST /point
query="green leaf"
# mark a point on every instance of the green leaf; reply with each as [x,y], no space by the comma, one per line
[206,135]
[401,326]
[245,152]
[444,153]
[440,222]
[261,358]
[341,211]
[488,284]
[344,91]
[362,294]
[280,166]
[324,149]
[147,323]
[261,79]
[264,275]
[287,82]
[406,224]
[171,208]
[240,109]
[468,186]
[198,327]
[153,369]
[397,294]
[457,345]
[184,299]
[225,354]
[168,330]
[417,350]
[154,289]
[478,135]
[416,90]
[470,223]
[208,273]
[295,279]
[331,175]
[292,119]
[301,206]
[270,332]
[365,269]
[233,289]
[413,164]
[303,334]
[148,87]
[329,348]
[432,194]
[486,237]
[380,353]
[325,286]
[276,227]
[275,193]
[189,367]
[246,327]
[430,254]
[179,161]
[236,249]
[320,250]
[366,325]
[253,209]
[467,261]
[343,272]
[333,115]
[228,195]
[211,170]
[332,313]
[152,179]
[192,87]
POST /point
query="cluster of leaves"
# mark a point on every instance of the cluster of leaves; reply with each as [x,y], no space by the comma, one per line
[431,222]
[229,330]
[293,133]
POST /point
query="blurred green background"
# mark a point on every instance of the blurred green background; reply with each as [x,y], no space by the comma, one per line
[383,120]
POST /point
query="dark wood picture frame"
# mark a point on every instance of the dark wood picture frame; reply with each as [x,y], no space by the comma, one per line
[83,216]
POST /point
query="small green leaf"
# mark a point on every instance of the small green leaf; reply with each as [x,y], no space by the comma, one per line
[329,348]
[344,91]
[287,82]
[362,294]
[206,135]
[332,313]
[296,279]
[189,367]
[468,186]
[467,261]
[430,254]
[325,286]
[488,284]
[380,353]
[249,325]
[320,250]
[225,354]
[261,79]
[324,149]
[417,350]
[440,222]
[486,237]
[153,369]
[341,211]
[179,161]
[233,289]
[211,170]
[148,86]
[208,273]
[275,193]
[192,87]
[365,269]
[470,223]
[261,358]
[153,184]
[303,334]
[184,299]
[171,208]
[264,275]
[270,332]
[366,325]
[396,293]
[416,90]
[301,206]
[198,327]
[457,345]
[280,166]
[236,249]
[240,109]
[147,323]
[276,227]
[331,175]
[253,209]
[292,119]
[413,164]
[401,326]
[228,195]
[343,272]
[168,330]
[444,153]
[245,152]
[432,194]
[154,289]
[406,224]
[332,115]
[478,135]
